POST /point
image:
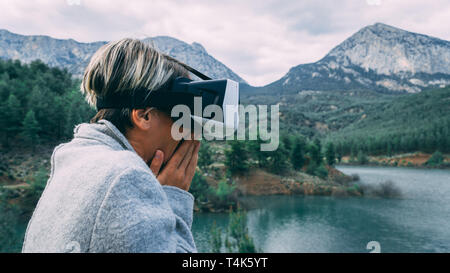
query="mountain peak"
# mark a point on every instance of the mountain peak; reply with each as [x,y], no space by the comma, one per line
[384,31]
[198,46]
[378,57]
[386,50]
[383,27]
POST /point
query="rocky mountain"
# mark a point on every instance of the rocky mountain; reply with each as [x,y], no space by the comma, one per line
[194,55]
[74,56]
[377,57]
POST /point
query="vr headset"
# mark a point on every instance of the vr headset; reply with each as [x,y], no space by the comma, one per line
[223,93]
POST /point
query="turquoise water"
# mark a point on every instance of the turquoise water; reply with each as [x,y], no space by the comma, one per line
[419,221]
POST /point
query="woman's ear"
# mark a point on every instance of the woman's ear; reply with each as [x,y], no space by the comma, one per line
[142,118]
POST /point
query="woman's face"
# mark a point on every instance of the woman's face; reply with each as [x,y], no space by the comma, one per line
[151,132]
[162,128]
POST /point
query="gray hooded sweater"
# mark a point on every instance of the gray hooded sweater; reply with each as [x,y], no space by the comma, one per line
[102,197]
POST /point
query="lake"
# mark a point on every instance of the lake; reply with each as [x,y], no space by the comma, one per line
[419,221]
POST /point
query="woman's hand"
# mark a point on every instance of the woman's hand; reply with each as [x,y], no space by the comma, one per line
[180,169]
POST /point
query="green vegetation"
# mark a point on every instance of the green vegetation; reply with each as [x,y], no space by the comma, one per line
[219,198]
[236,238]
[437,160]
[30,128]
[38,104]
[316,113]
[305,154]
[205,155]
[298,154]
[11,227]
[330,154]
[237,157]
[200,188]
[362,158]
[375,123]
[278,161]
[409,123]
[16,206]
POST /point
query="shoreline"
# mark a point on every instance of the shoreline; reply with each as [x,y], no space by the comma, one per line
[416,160]
[418,167]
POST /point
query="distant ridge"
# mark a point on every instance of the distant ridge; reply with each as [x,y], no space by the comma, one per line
[74,56]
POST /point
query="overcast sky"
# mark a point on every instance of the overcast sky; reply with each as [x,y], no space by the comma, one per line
[259,40]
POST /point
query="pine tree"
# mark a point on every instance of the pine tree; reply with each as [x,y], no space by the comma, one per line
[254,148]
[30,128]
[13,116]
[339,153]
[389,149]
[318,156]
[288,143]
[278,161]
[205,155]
[73,119]
[362,158]
[298,154]
[330,154]
[237,158]
[314,153]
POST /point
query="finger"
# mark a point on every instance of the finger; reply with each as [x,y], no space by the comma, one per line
[157,162]
[179,154]
[187,157]
[190,170]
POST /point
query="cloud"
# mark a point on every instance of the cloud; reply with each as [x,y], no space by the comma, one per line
[259,40]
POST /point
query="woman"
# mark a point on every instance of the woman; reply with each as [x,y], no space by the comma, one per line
[107,191]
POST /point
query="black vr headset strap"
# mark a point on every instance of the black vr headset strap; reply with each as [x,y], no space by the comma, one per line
[162,97]
[190,69]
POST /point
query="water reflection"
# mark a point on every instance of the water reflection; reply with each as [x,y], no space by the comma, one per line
[418,222]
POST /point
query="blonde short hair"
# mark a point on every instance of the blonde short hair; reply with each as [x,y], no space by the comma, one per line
[126,65]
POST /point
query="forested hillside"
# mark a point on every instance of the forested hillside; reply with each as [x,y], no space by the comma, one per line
[409,123]
[365,120]
[38,104]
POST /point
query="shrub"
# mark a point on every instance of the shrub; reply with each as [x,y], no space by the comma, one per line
[237,238]
[355,177]
[224,190]
[34,192]
[355,189]
[311,169]
[216,238]
[321,171]
[317,170]
[199,187]
[436,159]
[10,231]
[386,189]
